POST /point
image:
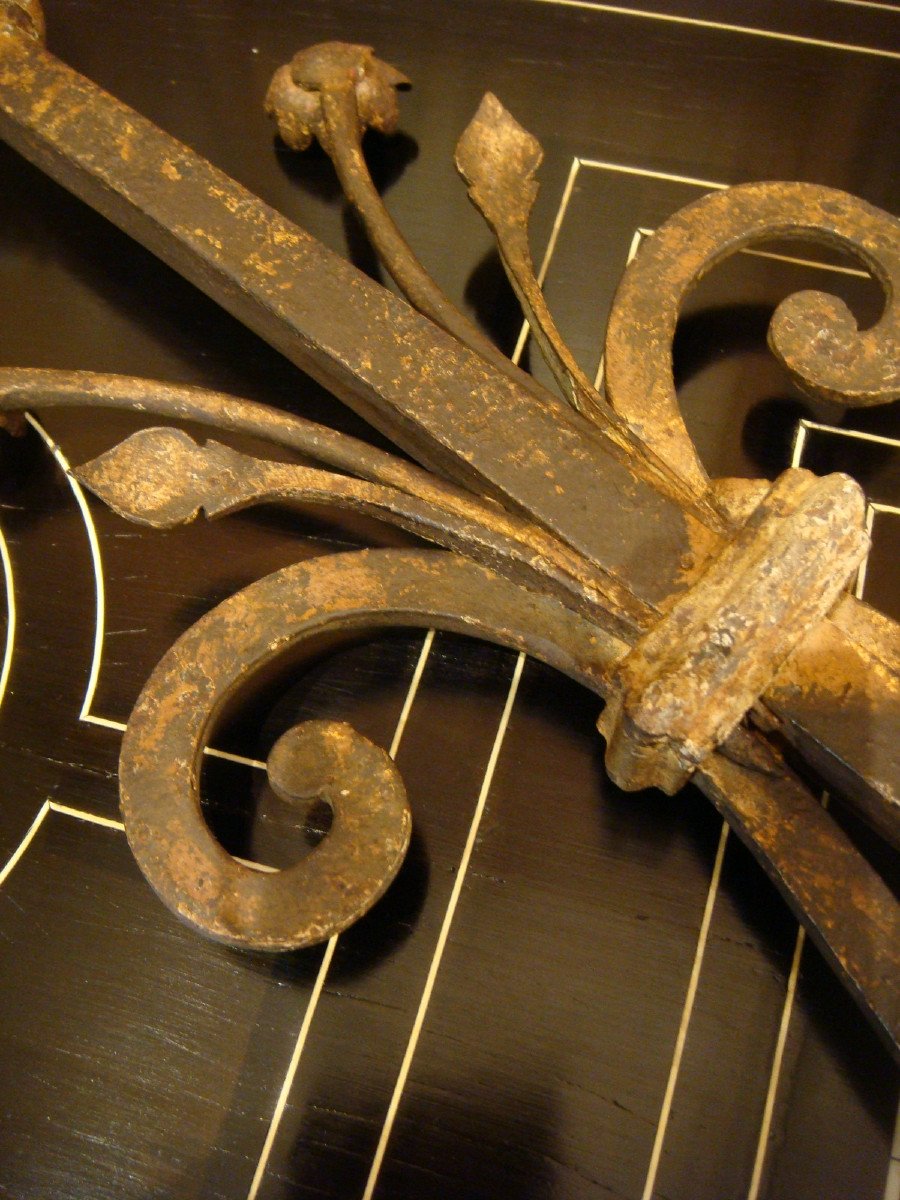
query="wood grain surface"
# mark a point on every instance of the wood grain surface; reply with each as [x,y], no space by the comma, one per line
[569,991]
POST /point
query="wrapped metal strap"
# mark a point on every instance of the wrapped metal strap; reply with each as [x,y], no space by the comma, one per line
[687,683]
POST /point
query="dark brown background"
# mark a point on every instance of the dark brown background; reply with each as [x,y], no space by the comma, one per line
[137,1060]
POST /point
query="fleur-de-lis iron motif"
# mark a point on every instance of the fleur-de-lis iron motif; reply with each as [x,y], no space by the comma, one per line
[710,615]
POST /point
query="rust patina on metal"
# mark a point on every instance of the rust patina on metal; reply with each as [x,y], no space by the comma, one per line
[709,614]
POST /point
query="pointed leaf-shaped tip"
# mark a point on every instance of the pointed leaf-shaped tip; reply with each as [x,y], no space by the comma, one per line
[496,156]
[154,477]
[393,76]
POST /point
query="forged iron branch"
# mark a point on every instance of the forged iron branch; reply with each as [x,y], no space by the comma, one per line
[710,615]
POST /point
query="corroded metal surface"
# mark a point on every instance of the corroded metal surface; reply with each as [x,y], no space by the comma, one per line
[684,687]
[813,334]
[22,17]
[332,93]
[433,397]
[320,760]
[836,699]
[350,868]
[499,160]
[817,869]
[584,530]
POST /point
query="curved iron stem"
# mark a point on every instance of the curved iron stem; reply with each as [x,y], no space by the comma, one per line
[332,92]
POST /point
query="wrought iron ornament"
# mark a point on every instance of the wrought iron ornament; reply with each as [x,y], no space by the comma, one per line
[710,615]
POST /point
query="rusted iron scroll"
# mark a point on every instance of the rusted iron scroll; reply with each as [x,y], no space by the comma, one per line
[710,615]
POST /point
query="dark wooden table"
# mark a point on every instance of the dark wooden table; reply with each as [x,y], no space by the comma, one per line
[569,991]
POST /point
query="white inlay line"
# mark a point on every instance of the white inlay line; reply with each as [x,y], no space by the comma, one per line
[892,1183]
[9,641]
[891,8]
[551,247]
[312,1004]
[859,272]
[599,164]
[636,238]
[100,605]
[855,434]
[64,810]
[288,1082]
[873,510]
[686,1014]
[390,1117]
[96,562]
[799,443]
[25,842]
[643,232]
[86,715]
[801,438]
[119,726]
[809,262]
[411,694]
[645,14]
[700,949]
[458,882]
[765,1127]
[80,814]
